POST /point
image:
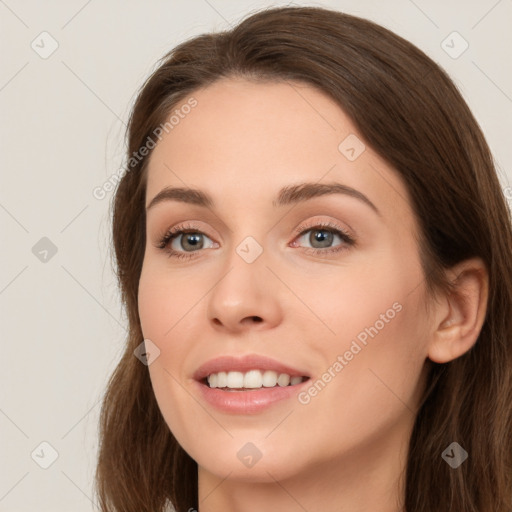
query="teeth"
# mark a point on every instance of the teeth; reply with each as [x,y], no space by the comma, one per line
[269,379]
[222,379]
[212,380]
[235,380]
[252,379]
[283,379]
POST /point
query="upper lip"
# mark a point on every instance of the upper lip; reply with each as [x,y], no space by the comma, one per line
[244,364]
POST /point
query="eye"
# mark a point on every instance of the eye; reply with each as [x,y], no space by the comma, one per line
[181,240]
[188,241]
[184,240]
[321,237]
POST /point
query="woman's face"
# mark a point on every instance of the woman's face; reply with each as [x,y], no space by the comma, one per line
[328,285]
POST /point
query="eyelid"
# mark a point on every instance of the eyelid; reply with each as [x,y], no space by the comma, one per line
[177,229]
[348,240]
[190,226]
[311,224]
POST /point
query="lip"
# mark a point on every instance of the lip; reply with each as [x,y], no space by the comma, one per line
[244,364]
[251,401]
[247,402]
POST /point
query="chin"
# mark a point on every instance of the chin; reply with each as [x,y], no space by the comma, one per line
[265,468]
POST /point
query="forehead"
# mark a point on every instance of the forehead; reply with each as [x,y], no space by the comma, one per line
[244,140]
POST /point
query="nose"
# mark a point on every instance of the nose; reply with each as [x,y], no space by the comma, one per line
[247,296]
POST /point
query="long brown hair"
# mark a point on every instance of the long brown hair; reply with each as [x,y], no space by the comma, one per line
[410,112]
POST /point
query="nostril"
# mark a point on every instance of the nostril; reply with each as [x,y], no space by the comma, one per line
[252,319]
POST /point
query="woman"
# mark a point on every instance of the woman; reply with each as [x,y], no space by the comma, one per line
[314,253]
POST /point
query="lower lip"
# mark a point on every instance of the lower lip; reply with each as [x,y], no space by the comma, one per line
[248,402]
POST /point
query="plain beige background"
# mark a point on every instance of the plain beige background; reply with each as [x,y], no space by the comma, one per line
[63,120]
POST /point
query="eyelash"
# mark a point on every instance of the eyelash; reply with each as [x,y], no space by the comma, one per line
[181,229]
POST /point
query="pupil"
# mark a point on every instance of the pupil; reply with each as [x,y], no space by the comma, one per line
[195,238]
[321,236]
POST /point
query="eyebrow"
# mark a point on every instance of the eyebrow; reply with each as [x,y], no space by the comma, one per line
[291,194]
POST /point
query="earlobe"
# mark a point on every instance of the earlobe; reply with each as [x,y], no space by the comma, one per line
[461,313]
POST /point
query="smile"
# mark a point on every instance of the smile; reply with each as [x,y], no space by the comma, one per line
[252,379]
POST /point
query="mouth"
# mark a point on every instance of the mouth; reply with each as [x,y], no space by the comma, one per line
[248,383]
[252,380]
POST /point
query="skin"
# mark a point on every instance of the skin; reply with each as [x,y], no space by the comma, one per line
[346,449]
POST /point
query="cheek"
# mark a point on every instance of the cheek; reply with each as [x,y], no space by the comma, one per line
[368,388]
[160,309]
[152,300]
[168,306]
[163,314]
[162,300]
[382,344]
[373,318]
[348,302]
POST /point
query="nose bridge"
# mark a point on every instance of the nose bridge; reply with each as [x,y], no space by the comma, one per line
[246,288]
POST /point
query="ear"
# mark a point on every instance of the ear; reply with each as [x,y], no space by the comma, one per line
[460,313]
